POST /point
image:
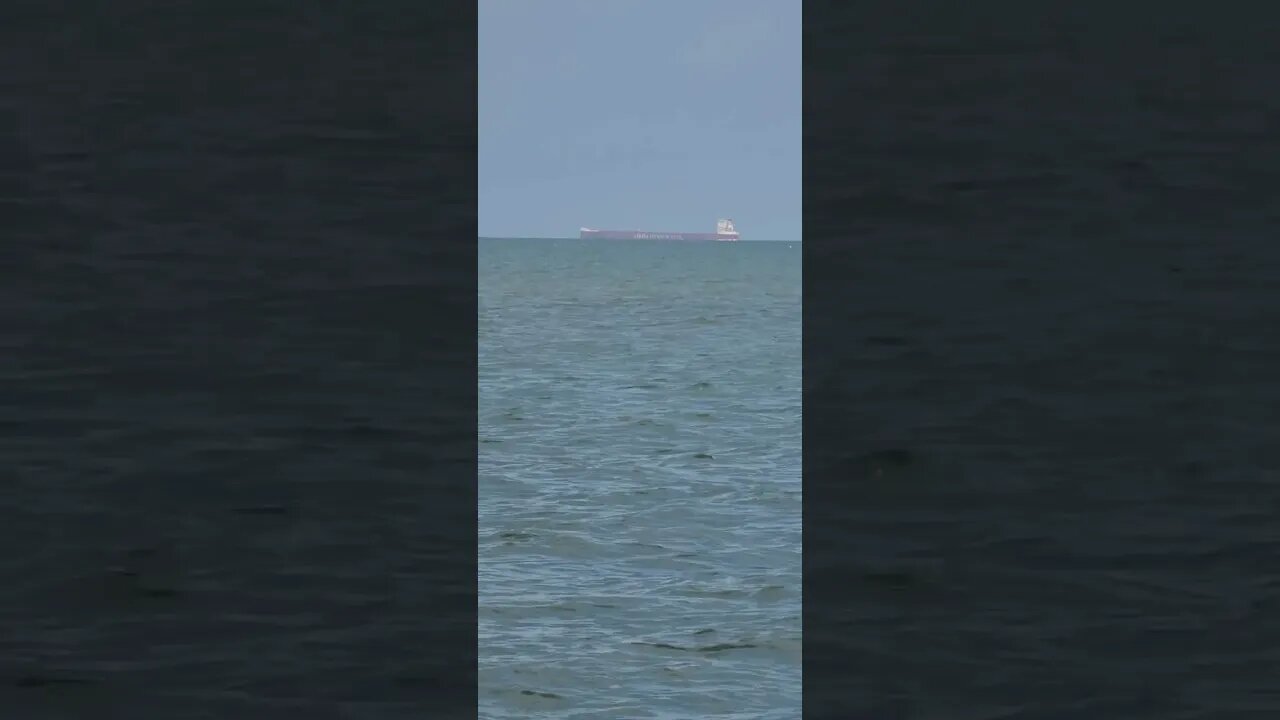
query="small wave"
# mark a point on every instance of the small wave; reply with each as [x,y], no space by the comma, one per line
[539,693]
[715,648]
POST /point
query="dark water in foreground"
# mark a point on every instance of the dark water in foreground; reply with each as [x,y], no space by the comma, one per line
[217,490]
[1042,378]
[640,496]
[229,439]
[1047,483]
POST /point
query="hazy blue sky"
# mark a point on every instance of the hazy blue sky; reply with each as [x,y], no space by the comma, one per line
[639,114]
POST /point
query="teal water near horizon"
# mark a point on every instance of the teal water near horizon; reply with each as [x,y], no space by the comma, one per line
[640,494]
[485,238]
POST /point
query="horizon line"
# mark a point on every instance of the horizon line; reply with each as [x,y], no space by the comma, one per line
[565,237]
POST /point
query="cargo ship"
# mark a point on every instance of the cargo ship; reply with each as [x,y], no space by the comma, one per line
[725,232]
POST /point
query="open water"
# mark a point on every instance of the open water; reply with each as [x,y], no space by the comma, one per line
[640,497]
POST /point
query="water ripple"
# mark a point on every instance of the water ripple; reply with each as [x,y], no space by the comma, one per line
[640,480]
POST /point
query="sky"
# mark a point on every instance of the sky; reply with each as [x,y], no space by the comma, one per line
[639,114]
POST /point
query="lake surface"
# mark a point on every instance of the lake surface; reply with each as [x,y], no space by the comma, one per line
[1041,375]
[640,495]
